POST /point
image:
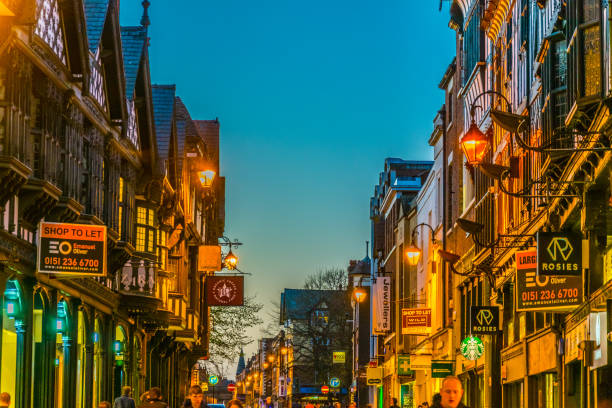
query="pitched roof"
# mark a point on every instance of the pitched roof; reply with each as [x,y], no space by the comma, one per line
[95,15]
[209,131]
[296,304]
[185,128]
[133,40]
[163,109]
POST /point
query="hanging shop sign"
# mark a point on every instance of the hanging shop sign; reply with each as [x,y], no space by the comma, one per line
[72,249]
[209,258]
[381,305]
[416,321]
[472,348]
[559,253]
[225,290]
[324,389]
[485,319]
[541,293]
[420,361]
[339,357]
[175,237]
[403,365]
[334,382]
[374,375]
[441,369]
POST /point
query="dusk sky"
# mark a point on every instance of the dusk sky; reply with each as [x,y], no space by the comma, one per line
[311,97]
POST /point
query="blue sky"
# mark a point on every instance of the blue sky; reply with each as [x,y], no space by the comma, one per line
[311,97]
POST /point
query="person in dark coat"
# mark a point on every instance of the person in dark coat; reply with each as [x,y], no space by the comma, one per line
[154,399]
[195,398]
[437,399]
[452,392]
[125,401]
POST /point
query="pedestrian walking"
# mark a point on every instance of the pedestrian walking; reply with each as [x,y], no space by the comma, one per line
[436,403]
[234,404]
[395,403]
[452,392]
[154,399]
[5,399]
[125,400]
[195,398]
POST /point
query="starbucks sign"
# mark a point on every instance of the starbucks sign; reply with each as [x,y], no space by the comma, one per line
[472,348]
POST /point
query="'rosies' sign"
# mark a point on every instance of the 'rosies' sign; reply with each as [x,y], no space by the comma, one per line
[559,253]
[72,249]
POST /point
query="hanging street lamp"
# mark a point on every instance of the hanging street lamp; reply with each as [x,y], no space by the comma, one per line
[474,144]
[359,294]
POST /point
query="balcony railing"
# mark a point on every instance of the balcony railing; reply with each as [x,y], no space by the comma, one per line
[137,277]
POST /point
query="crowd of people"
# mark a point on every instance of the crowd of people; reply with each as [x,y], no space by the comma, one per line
[154,399]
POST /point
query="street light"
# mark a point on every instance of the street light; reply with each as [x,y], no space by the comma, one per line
[284,350]
[474,144]
[413,253]
[230,261]
[271,358]
[359,294]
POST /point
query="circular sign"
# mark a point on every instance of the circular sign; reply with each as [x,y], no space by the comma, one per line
[472,348]
[334,382]
[231,387]
[224,291]
[325,389]
[213,379]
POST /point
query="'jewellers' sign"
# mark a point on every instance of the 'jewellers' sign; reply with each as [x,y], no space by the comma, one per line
[381,305]
[72,249]
[559,253]
[225,290]
[543,293]
[485,319]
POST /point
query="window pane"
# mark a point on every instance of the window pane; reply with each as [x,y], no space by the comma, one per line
[590,10]
[120,189]
[142,216]
[559,64]
[140,239]
[590,50]
[151,218]
[151,240]
[120,220]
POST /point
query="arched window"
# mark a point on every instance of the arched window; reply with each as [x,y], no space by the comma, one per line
[11,315]
[98,363]
[39,356]
[81,359]
[119,352]
[61,324]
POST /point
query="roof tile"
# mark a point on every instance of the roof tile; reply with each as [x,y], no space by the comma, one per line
[95,15]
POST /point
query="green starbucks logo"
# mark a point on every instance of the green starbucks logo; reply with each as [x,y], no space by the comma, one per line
[472,348]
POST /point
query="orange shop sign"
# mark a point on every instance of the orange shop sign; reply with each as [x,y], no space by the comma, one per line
[71,249]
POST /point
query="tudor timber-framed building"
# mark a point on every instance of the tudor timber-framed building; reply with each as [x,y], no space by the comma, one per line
[85,138]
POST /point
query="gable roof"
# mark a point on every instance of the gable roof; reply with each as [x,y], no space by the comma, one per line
[163,110]
[95,16]
[133,40]
[296,304]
